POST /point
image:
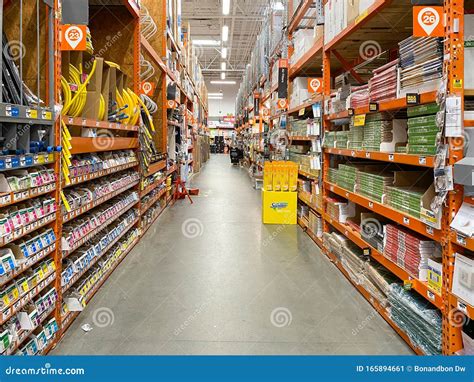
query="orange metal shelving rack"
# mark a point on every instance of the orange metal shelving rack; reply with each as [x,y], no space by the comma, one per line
[331,55]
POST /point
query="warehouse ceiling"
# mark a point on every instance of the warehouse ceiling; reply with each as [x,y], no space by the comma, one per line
[244,21]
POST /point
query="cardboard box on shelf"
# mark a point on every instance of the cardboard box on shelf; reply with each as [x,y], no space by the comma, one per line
[463,279]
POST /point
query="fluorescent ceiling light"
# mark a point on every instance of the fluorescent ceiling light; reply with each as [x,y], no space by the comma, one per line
[278,6]
[214,97]
[225,33]
[225,7]
[223,66]
[215,94]
[223,82]
[223,76]
[224,53]
[207,42]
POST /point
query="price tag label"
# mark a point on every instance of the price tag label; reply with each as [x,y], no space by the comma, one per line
[461,240]
[301,112]
[350,112]
[407,284]
[373,106]
[391,157]
[412,98]
[422,160]
[429,230]
[32,113]
[47,115]
[371,205]
[462,307]
[359,120]
[367,155]
[431,295]
[406,221]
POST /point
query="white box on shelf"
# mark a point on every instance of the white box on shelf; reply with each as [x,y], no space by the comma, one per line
[463,279]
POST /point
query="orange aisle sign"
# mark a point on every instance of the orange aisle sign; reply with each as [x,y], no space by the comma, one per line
[73,37]
[428,21]
[282,104]
[315,85]
[148,88]
[172,104]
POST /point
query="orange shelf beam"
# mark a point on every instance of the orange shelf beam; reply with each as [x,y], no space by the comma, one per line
[155,167]
[307,175]
[85,122]
[390,213]
[300,13]
[414,160]
[399,103]
[419,286]
[94,145]
[132,7]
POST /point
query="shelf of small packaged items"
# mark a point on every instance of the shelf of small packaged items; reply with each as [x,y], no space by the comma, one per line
[310,233]
[148,226]
[67,251]
[152,201]
[414,160]
[87,207]
[14,346]
[85,122]
[68,319]
[99,174]
[96,258]
[391,105]
[151,187]
[388,212]
[27,298]
[27,229]
[27,264]
[7,199]
[305,197]
[417,285]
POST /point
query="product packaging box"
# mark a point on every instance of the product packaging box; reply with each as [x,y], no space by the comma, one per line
[435,274]
[463,280]
[279,207]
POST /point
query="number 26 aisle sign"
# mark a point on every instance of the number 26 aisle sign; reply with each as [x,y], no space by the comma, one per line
[428,21]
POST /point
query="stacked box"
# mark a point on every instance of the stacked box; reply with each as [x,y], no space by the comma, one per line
[373,185]
[406,199]
[341,139]
[375,133]
[355,137]
[332,175]
[346,176]
[421,110]
[409,251]
[340,210]
[329,139]
[315,224]
[423,132]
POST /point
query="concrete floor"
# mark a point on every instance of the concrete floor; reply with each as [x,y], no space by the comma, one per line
[210,278]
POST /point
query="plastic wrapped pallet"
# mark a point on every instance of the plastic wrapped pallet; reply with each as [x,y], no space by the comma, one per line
[417,318]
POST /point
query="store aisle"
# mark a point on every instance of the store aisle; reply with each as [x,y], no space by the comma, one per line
[209,278]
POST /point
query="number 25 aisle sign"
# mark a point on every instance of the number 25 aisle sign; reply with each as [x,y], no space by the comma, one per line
[428,21]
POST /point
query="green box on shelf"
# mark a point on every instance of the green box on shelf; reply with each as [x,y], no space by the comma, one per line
[421,110]
[422,150]
[428,120]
